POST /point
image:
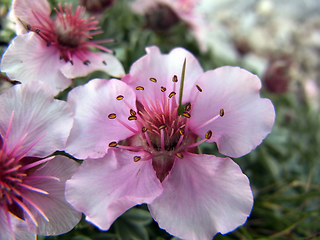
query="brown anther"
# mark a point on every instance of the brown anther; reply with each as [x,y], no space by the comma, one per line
[179,155]
[221,112]
[209,134]
[132,112]
[163,126]
[130,118]
[181,131]
[187,108]
[71,62]
[37,31]
[144,129]
[199,88]
[172,94]
[86,62]
[153,80]
[104,62]
[139,88]
[175,78]
[163,89]
[113,144]
[28,27]
[120,97]
[136,158]
[186,114]
[112,116]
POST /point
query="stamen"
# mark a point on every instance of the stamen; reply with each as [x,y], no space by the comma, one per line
[186,114]
[132,112]
[179,155]
[163,89]
[175,78]
[136,158]
[209,134]
[34,189]
[139,88]
[221,112]
[199,88]
[153,80]
[36,207]
[144,129]
[187,108]
[120,97]
[112,116]
[25,209]
[172,94]
[113,144]
[132,117]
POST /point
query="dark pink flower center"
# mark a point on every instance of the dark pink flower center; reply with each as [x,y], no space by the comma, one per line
[164,134]
[70,33]
[15,171]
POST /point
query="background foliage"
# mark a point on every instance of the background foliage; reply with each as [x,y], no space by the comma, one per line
[283,171]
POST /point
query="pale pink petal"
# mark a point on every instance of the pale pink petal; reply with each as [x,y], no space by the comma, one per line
[163,67]
[28,58]
[105,188]
[95,61]
[28,11]
[92,104]
[203,195]
[62,216]
[11,227]
[247,117]
[37,119]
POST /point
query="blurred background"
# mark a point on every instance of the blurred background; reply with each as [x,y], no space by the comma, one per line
[279,40]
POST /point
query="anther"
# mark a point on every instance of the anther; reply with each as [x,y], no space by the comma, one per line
[136,158]
[179,155]
[132,112]
[175,78]
[28,27]
[48,44]
[187,108]
[120,97]
[37,31]
[104,62]
[153,80]
[113,144]
[86,62]
[199,88]
[139,88]
[112,116]
[132,117]
[181,131]
[163,126]
[186,114]
[209,134]
[163,89]
[71,62]
[221,112]
[144,129]
[172,94]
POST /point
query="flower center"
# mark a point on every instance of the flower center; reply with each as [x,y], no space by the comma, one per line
[69,32]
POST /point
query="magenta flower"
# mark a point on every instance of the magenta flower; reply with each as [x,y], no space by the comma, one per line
[61,45]
[32,126]
[142,147]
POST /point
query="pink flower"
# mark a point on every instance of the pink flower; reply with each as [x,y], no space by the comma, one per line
[61,45]
[142,147]
[32,126]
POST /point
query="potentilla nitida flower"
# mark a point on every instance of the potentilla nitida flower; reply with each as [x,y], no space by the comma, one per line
[61,45]
[32,126]
[140,139]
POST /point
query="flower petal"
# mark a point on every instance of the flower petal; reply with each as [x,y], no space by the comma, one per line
[92,104]
[247,118]
[16,227]
[203,195]
[37,118]
[30,12]
[163,67]
[105,188]
[62,217]
[28,58]
[95,61]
